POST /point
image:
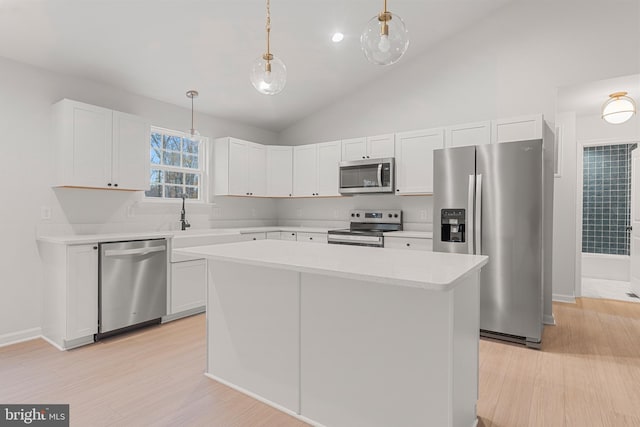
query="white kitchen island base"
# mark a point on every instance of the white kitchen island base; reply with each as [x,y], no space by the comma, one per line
[335,350]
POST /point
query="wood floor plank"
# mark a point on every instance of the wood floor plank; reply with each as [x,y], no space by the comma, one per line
[586,374]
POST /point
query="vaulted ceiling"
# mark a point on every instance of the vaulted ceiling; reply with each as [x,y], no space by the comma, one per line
[162,48]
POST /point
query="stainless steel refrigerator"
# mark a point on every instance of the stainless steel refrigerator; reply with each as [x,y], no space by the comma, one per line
[491,200]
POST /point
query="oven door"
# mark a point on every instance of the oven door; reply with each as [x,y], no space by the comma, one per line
[367,176]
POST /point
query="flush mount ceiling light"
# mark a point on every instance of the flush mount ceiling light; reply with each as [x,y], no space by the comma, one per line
[193,133]
[268,73]
[337,37]
[385,38]
[619,108]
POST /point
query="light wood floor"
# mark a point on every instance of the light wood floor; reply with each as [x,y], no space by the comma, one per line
[587,374]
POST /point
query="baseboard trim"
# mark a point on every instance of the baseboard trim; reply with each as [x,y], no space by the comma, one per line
[549,319]
[263,400]
[53,343]
[186,313]
[564,298]
[20,336]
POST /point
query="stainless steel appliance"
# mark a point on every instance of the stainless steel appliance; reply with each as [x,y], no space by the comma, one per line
[367,228]
[367,176]
[132,285]
[491,200]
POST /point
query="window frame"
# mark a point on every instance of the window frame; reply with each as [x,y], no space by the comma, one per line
[203,167]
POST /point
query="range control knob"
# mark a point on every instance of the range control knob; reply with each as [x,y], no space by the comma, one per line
[353,215]
[358,215]
[390,215]
[395,215]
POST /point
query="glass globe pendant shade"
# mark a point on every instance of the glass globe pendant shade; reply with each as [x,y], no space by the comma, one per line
[619,108]
[384,41]
[268,77]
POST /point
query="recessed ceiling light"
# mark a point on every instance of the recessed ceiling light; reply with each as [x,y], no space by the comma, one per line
[337,37]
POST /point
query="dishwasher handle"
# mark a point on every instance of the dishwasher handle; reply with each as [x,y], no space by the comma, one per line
[139,251]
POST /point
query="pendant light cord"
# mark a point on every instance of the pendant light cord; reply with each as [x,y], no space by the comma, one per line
[268,26]
[192,128]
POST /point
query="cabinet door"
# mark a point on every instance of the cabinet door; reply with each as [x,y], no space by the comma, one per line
[288,235]
[253,236]
[238,163]
[304,170]
[273,235]
[468,134]
[517,129]
[82,291]
[408,243]
[354,149]
[414,160]
[89,160]
[381,146]
[279,171]
[188,285]
[257,169]
[312,237]
[328,164]
[130,167]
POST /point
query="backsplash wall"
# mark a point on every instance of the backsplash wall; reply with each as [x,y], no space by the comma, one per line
[333,212]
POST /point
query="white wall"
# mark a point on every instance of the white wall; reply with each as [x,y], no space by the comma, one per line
[26,94]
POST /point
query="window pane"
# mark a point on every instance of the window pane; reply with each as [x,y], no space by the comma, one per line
[191,192]
[190,161]
[155,191]
[156,140]
[191,178]
[172,143]
[156,176]
[171,159]
[190,146]
[156,155]
[172,191]
[173,177]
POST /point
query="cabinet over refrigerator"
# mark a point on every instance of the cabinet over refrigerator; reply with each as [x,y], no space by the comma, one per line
[491,200]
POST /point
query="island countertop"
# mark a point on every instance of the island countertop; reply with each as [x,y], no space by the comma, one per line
[427,270]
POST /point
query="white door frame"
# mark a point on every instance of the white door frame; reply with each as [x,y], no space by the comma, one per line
[582,143]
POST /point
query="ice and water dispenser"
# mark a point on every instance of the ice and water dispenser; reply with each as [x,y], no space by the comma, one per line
[453,225]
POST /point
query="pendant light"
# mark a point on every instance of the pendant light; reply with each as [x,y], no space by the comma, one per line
[619,108]
[268,73]
[193,133]
[385,38]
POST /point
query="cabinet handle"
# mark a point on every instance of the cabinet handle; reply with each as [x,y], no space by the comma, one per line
[408,244]
[293,234]
[254,238]
[363,157]
[95,248]
[367,157]
[289,194]
[310,238]
[397,189]
[115,185]
[109,185]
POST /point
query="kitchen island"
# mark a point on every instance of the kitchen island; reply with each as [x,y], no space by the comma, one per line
[346,336]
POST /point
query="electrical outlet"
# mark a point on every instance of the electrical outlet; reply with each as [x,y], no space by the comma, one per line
[45,212]
[423,215]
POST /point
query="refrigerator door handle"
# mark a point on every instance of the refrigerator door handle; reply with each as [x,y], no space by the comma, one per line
[470,223]
[478,215]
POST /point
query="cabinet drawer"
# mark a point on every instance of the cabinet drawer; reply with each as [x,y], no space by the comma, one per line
[288,235]
[312,237]
[254,236]
[188,285]
[408,243]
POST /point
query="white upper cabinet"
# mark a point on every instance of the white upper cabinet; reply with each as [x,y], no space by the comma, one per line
[328,164]
[279,171]
[239,167]
[315,169]
[381,146]
[100,148]
[414,160]
[468,134]
[517,128]
[371,147]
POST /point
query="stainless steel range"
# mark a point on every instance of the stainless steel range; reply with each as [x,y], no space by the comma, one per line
[366,228]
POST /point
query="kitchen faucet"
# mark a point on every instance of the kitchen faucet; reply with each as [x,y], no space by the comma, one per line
[184,224]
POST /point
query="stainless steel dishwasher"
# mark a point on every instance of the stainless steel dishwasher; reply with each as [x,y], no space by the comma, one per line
[132,285]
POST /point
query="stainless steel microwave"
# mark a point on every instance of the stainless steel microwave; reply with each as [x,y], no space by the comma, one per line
[367,176]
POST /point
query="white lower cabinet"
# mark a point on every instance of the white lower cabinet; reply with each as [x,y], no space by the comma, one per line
[273,235]
[312,237]
[188,285]
[70,293]
[408,243]
[288,235]
[253,236]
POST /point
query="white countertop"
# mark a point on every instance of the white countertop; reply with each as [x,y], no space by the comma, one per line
[411,234]
[79,239]
[428,270]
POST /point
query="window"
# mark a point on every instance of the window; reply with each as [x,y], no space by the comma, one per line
[177,165]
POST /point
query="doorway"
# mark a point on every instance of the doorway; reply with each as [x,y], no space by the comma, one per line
[606,207]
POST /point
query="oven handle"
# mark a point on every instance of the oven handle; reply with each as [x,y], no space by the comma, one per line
[141,251]
[379,174]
